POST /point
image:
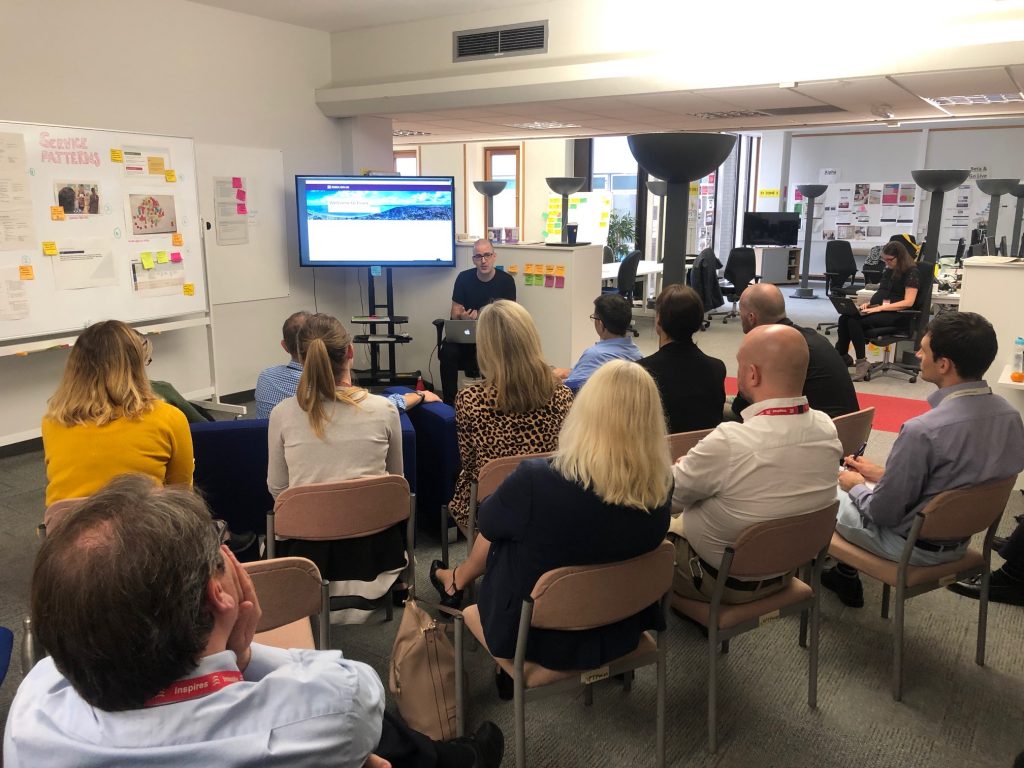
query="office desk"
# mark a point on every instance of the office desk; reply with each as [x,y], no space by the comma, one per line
[643,269]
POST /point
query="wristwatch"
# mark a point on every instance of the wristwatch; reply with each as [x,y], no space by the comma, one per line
[423,396]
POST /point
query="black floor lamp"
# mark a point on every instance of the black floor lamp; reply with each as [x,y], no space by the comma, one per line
[996,188]
[565,186]
[938,183]
[1018,214]
[810,193]
[489,189]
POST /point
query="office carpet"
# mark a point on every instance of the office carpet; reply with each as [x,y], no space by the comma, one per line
[890,412]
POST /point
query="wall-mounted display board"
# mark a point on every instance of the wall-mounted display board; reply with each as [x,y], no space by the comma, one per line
[869,212]
[96,224]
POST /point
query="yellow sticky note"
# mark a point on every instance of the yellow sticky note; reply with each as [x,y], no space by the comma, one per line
[694,188]
[117,156]
[56,213]
[25,272]
[162,257]
[549,269]
[170,175]
[528,269]
[155,165]
[147,259]
[513,269]
[49,248]
[560,270]
[769,193]
[189,289]
[177,239]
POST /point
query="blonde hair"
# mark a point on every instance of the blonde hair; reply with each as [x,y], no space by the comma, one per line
[509,356]
[614,440]
[104,379]
[323,344]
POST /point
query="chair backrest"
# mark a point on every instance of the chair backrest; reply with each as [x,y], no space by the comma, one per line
[588,596]
[608,255]
[782,545]
[493,473]
[627,274]
[231,471]
[673,269]
[854,429]
[58,511]
[839,258]
[963,512]
[961,246]
[348,509]
[740,267]
[680,443]
[288,588]
[923,301]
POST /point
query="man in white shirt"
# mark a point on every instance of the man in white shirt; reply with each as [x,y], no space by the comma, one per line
[780,462]
[149,621]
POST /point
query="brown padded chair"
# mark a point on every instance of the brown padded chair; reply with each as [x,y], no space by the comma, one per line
[680,443]
[348,509]
[578,598]
[775,546]
[491,475]
[291,592]
[952,515]
[854,429]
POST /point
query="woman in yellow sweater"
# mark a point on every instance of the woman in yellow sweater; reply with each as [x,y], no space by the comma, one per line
[104,420]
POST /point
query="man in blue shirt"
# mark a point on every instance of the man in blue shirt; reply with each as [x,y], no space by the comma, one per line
[612,316]
[279,382]
[969,436]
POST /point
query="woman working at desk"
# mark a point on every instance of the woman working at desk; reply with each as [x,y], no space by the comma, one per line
[897,291]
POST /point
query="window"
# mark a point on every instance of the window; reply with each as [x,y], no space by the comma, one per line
[406,162]
[502,164]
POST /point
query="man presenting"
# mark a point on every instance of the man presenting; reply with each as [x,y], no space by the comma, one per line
[970,436]
[149,621]
[474,289]
[828,386]
[780,462]
[612,315]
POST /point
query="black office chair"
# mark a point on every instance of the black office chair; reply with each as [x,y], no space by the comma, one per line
[608,255]
[873,266]
[625,284]
[918,321]
[840,272]
[740,271]
[961,247]
[703,278]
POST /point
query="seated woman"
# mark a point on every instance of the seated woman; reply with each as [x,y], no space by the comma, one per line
[331,431]
[897,290]
[104,419]
[518,408]
[603,497]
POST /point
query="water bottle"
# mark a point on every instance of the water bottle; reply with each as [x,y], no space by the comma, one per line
[1017,369]
[421,385]
[31,651]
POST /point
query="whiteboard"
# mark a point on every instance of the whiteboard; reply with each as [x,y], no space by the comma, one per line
[94,225]
[249,262]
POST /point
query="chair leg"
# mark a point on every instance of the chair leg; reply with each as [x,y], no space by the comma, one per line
[803,629]
[460,704]
[389,604]
[444,533]
[520,721]
[725,646]
[588,695]
[812,672]
[712,688]
[979,655]
[885,601]
[627,680]
[660,704]
[897,654]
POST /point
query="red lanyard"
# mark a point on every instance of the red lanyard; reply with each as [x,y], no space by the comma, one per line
[789,410]
[194,687]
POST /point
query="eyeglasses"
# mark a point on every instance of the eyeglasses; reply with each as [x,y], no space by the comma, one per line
[482,256]
[594,317]
[220,528]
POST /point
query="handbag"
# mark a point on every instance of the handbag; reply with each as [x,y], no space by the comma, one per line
[421,674]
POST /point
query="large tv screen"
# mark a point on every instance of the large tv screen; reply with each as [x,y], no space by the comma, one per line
[392,221]
[771,228]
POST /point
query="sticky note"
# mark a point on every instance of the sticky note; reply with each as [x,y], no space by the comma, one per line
[155,166]
[559,281]
[49,248]
[693,188]
[240,195]
[189,289]
[56,213]
[560,270]
[241,209]
[162,257]
[513,269]
[116,156]
[25,272]
[175,257]
[549,269]
[147,259]
[236,182]
[177,239]
[170,175]
[549,281]
[528,269]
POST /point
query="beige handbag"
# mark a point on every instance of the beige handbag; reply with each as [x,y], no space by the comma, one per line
[422,674]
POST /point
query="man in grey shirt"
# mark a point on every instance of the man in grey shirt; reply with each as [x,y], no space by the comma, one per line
[970,436]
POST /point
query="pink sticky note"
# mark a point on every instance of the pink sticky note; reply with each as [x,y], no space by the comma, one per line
[241,209]
[549,281]
[559,281]
[236,182]
[240,195]
[175,257]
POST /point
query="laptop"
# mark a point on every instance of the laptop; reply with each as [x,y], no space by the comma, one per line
[460,331]
[845,306]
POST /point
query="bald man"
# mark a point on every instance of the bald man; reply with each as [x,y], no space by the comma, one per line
[781,461]
[828,386]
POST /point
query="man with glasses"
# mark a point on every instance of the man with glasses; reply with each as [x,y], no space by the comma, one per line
[612,315]
[474,289]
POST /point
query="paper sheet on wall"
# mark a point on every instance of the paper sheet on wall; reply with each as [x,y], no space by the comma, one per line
[83,265]
[16,229]
[161,280]
[231,212]
[14,303]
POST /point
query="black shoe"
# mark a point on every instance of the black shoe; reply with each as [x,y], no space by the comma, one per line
[505,685]
[1001,588]
[998,542]
[848,589]
[487,744]
[399,596]
[448,599]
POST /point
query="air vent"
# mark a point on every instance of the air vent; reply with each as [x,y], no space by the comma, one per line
[818,109]
[511,40]
[732,115]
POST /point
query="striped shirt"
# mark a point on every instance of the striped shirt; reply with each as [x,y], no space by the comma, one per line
[281,381]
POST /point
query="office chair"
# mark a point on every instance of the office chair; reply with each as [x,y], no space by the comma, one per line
[608,255]
[740,271]
[625,283]
[961,247]
[840,267]
[703,278]
[873,266]
[918,320]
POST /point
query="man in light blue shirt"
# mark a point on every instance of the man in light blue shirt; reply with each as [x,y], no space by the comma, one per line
[149,621]
[279,382]
[612,316]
